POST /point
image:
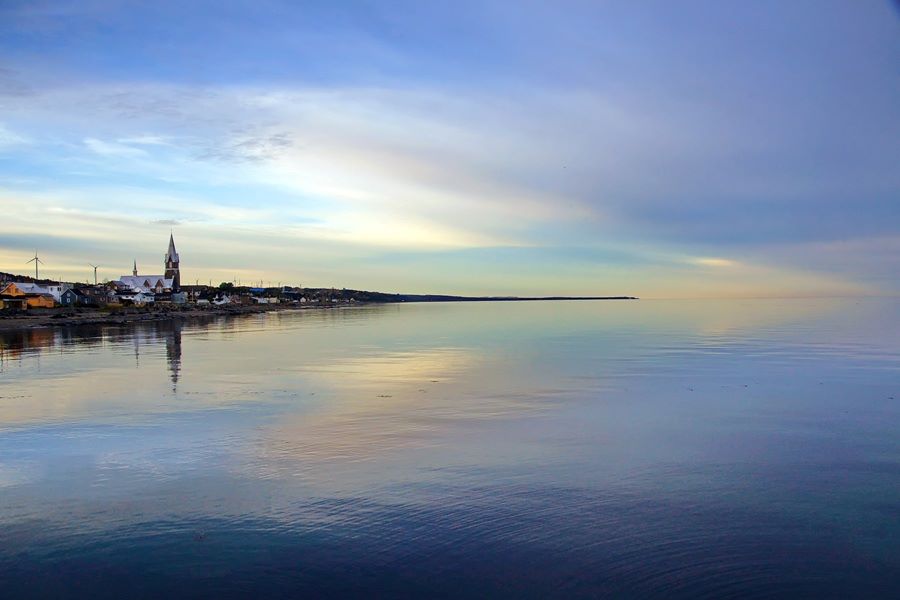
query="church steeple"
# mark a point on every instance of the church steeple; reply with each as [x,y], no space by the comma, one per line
[171,255]
[134,272]
[172,262]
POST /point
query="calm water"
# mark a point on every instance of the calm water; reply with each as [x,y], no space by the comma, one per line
[622,449]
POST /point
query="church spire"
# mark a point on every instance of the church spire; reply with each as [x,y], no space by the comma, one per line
[172,264]
[134,272]
[172,254]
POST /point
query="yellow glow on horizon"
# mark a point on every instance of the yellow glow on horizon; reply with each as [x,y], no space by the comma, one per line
[714,262]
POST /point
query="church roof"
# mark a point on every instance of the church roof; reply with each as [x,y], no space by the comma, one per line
[145,282]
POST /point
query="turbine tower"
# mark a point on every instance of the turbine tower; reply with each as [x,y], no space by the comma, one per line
[35,260]
[95,273]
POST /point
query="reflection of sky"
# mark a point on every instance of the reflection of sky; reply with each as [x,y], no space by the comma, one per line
[357,380]
[384,356]
[499,148]
[405,428]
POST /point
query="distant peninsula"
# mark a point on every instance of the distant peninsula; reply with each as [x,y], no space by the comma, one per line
[382,297]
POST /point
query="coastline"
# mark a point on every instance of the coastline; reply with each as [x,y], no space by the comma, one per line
[65,317]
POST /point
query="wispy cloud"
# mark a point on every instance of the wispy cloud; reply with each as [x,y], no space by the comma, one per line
[713,262]
[145,140]
[9,139]
[248,148]
[111,148]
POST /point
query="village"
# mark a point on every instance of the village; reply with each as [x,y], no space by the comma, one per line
[33,295]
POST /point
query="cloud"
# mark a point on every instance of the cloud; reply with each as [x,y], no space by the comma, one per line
[593,127]
[171,222]
[112,148]
[8,139]
[713,262]
[430,173]
[249,148]
[145,140]
[11,84]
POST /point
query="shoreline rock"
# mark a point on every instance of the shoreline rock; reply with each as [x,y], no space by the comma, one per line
[68,318]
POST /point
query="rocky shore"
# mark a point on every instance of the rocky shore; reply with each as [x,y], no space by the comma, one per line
[60,317]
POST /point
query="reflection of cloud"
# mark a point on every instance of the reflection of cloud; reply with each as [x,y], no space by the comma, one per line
[389,401]
[717,321]
[396,368]
[17,473]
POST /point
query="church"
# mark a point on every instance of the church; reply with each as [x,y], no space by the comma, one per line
[169,282]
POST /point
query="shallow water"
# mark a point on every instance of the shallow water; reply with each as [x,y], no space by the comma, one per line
[624,449]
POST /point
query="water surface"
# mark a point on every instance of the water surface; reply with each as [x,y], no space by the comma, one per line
[560,449]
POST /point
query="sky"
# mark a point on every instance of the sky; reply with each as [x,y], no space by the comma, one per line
[654,148]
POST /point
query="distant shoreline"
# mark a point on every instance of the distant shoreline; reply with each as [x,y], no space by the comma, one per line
[432,298]
[66,317]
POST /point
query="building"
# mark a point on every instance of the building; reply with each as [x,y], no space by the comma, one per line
[73,297]
[15,296]
[98,295]
[173,272]
[137,298]
[53,289]
[169,282]
[144,283]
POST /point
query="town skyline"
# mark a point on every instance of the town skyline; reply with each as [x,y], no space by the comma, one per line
[572,149]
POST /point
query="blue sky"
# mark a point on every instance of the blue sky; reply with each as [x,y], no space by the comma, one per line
[654,148]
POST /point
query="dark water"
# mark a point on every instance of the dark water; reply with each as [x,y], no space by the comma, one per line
[594,449]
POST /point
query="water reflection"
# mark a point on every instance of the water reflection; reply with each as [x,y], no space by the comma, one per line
[82,350]
[173,352]
[590,449]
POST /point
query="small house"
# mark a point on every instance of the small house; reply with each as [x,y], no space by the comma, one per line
[73,297]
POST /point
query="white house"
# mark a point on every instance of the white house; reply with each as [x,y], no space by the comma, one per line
[139,297]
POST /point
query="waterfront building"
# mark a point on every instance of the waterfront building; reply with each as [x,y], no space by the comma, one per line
[26,295]
[73,297]
[98,295]
[54,290]
[137,297]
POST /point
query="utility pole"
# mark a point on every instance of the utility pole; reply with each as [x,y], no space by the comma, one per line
[35,260]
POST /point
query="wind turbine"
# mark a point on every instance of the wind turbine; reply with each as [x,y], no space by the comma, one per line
[95,273]
[35,260]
